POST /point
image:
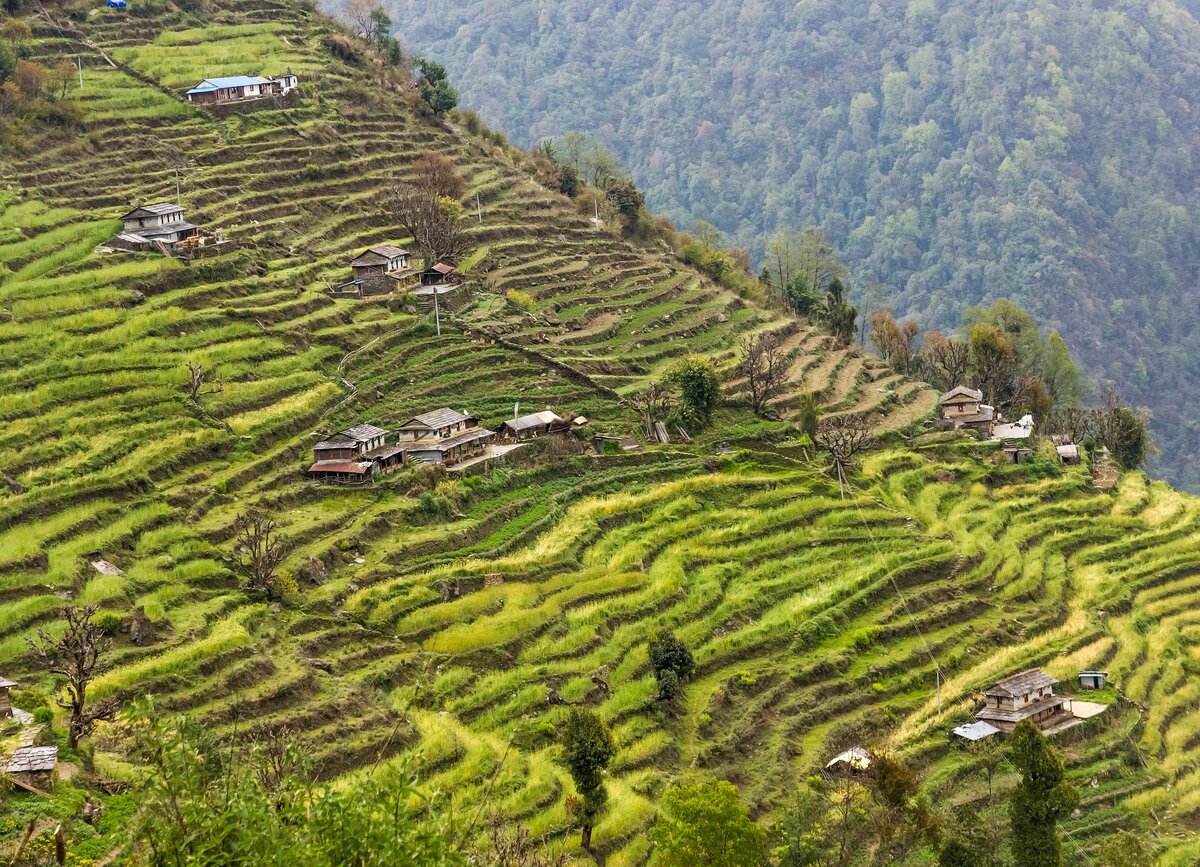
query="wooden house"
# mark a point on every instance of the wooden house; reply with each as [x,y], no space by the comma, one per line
[1025,696]
[443,436]
[355,454]
[240,88]
[965,408]
[6,710]
[33,766]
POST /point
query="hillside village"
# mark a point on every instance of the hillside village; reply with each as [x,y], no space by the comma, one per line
[302,475]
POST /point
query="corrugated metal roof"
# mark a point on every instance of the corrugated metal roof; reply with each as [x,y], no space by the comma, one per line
[976,731]
[537,419]
[158,209]
[442,268]
[5,683]
[29,760]
[444,445]
[211,84]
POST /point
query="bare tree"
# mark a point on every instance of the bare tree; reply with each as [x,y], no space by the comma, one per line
[362,15]
[762,365]
[514,847]
[258,553]
[438,233]
[76,655]
[844,436]
[945,359]
[199,383]
[894,341]
[652,404]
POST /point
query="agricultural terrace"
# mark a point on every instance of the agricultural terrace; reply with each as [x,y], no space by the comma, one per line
[442,623]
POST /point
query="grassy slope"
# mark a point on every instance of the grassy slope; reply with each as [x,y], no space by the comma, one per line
[786,594]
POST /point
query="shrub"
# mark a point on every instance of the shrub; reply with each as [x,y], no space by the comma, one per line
[520,300]
[110,621]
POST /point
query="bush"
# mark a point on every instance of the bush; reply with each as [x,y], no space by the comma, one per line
[109,621]
[520,300]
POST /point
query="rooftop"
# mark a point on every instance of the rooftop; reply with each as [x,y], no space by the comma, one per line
[856,757]
[386,251]
[976,731]
[210,84]
[533,420]
[1021,684]
[364,432]
[444,444]
[1001,714]
[961,392]
[438,418]
[358,469]
[156,209]
[28,760]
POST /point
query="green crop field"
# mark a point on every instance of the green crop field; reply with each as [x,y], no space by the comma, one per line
[443,620]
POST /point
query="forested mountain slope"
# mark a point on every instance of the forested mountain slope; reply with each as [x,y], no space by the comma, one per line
[956,152]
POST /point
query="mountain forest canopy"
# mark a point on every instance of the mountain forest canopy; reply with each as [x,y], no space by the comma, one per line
[955,153]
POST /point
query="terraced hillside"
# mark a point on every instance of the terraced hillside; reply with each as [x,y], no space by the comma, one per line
[443,620]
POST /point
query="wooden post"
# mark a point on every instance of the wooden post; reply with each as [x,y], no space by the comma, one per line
[437,313]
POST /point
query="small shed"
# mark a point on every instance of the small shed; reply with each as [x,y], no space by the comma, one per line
[6,710]
[1093,679]
[975,731]
[33,766]
[1068,454]
[855,759]
[442,272]
[1015,455]
[533,425]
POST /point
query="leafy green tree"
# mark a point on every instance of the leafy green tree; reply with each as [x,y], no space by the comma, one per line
[800,838]
[837,314]
[587,749]
[8,62]
[568,180]
[1122,431]
[1060,373]
[381,26]
[671,662]
[211,804]
[1125,849]
[1040,800]
[699,390]
[702,822]
[434,87]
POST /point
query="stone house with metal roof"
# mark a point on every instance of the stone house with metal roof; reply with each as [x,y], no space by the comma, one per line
[965,408]
[444,436]
[377,270]
[237,88]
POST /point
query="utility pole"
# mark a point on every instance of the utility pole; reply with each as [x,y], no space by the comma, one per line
[437,313]
[178,200]
[79,63]
[938,669]
[478,208]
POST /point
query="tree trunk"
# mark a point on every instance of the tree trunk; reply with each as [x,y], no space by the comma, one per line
[585,838]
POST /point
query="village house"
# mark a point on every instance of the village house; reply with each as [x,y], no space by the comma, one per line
[1025,696]
[148,226]
[355,454]
[240,88]
[443,436]
[536,424]
[965,408]
[378,270]
[6,709]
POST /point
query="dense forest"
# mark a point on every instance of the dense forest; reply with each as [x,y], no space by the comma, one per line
[1040,150]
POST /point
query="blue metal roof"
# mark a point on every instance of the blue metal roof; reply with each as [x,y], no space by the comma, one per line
[210,84]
